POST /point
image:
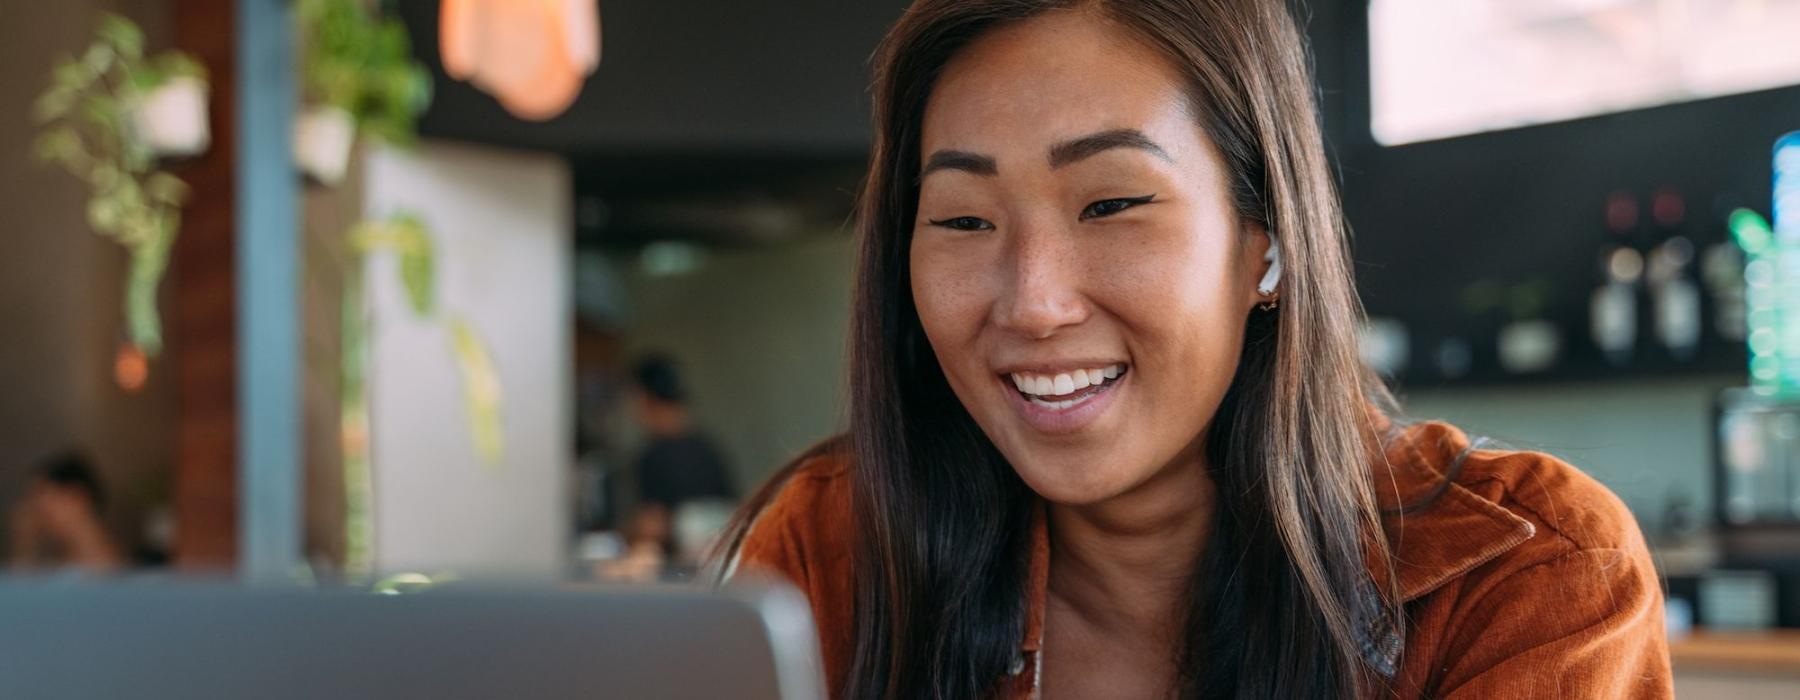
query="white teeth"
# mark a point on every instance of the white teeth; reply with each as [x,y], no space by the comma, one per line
[1065,383]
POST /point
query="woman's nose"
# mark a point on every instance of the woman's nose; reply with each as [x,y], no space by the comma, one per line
[1042,291]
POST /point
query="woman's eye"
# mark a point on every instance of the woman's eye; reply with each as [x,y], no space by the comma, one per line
[963,223]
[1108,207]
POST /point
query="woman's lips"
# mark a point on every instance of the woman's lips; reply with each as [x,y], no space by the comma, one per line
[1064,402]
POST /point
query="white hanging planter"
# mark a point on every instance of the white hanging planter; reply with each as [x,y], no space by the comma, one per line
[323,137]
[171,119]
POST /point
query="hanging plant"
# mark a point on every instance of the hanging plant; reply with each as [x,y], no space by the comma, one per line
[359,80]
[107,117]
[358,77]
[405,239]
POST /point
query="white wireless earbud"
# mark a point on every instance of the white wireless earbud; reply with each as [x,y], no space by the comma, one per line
[1273,276]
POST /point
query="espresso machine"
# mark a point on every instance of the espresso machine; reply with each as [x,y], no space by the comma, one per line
[1756,487]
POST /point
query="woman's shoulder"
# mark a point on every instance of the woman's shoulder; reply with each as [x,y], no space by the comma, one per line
[1515,559]
[803,535]
[803,531]
[1565,509]
[814,491]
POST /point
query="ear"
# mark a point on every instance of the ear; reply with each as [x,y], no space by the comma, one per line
[1262,260]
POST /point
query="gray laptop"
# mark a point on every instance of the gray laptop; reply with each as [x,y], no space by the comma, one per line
[216,642]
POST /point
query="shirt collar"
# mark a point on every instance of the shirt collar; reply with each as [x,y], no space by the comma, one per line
[1442,538]
[1037,579]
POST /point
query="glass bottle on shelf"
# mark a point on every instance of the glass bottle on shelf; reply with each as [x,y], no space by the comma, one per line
[1613,308]
[1674,295]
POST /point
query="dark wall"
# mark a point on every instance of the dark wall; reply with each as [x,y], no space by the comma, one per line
[1433,218]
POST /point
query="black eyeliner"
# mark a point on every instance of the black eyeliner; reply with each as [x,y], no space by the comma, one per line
[1133,202]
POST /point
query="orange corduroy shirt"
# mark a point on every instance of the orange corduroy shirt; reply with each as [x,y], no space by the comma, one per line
[1524,579]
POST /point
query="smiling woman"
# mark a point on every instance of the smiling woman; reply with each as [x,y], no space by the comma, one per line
[1102,445]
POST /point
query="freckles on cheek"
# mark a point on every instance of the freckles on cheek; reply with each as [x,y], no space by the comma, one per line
[944,297]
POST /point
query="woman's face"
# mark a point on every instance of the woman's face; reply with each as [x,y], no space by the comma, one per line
[1076,263]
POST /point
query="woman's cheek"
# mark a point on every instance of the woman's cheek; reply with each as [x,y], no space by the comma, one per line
[943,293]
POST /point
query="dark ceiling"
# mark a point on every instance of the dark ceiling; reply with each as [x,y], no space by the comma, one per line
[694,78]
[710,120]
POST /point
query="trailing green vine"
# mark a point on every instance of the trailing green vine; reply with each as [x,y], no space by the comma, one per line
[87,130]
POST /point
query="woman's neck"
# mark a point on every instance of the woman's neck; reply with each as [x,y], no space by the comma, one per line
[1124,565]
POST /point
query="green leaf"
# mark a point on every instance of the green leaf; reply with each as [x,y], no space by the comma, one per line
[105,176]
[122,34]
[137,154]
[362,62]
[391,42]
[483,398]
[102,112]
[135,224]
[418,264]
[420,90]
[182,65]
[103,214]
[58,145]
[416,273]
[147,78]
[69,73]
[405,237]
[165,189]
[98,59]
[53,104]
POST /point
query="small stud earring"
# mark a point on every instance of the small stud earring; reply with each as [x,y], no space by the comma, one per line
[1271,303]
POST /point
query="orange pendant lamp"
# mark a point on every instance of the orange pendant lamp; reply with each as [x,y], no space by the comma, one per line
[531,55]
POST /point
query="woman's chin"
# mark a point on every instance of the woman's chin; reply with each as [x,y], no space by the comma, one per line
[1074,482]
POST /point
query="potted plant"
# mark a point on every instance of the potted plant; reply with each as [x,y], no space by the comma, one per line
[170,114]
[358,77]
[107,117]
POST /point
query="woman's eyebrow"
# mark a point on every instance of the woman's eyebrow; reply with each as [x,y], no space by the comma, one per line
[1076,149]
[959,160]
[1060,155]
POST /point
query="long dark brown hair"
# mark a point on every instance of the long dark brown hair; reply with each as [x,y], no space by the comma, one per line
[1282,602]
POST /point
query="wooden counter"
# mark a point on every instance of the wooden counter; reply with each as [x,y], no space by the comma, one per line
[1769,652]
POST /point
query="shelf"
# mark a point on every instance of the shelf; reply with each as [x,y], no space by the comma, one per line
[1769,651]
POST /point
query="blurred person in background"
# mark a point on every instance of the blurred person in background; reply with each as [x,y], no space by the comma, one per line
[1110,435]
[58,524]
[683,482]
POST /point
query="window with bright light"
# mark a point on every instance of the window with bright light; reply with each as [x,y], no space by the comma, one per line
[1442,68]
